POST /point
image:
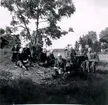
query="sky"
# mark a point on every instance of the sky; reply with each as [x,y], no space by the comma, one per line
[89,15]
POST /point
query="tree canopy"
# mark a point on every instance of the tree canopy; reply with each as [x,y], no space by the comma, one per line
[7,39]
[92,35]
[90,39]
[104,35]
[40,11]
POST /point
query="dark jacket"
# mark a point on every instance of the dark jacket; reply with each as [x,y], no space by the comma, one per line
[25,54]
[72,55]
[60,63]
[42,57]
[50,60]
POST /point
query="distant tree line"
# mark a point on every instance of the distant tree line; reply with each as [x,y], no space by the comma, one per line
[91,39]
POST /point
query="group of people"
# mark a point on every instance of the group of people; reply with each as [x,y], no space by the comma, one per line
[92,60]
[82,58]
[21,56]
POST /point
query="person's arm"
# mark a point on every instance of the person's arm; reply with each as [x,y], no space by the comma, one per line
[29,52]
[53,57]
[75,52]
[55,63]
[97,58]
[39,58]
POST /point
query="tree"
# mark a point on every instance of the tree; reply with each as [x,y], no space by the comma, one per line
[92,35]
[82,42]
[76,45]
[71,29]
[2,31]
[104,46]
[89,42]
[88,39]
[104,38]
[7,39]
[96,46]
[39,11]
[104,35]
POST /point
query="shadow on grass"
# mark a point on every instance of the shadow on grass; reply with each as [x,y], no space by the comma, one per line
[84,91]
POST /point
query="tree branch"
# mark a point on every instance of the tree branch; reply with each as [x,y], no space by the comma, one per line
[43,21]
[24,23]
[21,26]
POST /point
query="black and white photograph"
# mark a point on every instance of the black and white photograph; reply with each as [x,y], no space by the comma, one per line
[54,52]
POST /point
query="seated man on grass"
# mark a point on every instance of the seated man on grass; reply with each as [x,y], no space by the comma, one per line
[43,58]
[23,59]
[69,66]
[93,59]
[50,59]
[59,65]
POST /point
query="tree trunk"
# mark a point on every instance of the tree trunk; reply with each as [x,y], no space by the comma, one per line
[37,27]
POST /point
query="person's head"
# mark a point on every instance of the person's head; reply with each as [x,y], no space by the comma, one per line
[44,50]
[71,48]
[15,45]
[95,53]
[59,56]
[21,50]
[86,46]
[89,50]
[65,49]
[51,51]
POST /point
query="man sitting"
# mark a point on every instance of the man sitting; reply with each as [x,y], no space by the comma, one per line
[59,65]
[50,59]
[72,55]
[93,59]
[68,66]
[43,58]
[23,59]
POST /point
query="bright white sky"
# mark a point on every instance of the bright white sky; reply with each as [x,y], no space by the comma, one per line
[89,15]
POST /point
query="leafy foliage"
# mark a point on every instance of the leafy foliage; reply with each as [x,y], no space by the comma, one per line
[49,11]
[2,31]
[96,46]
[104,46]
[7,39]
[104,35]
[76,45]
[92,35]
[91,40]
[104,38]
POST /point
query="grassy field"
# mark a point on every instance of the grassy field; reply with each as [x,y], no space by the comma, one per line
[37,85]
